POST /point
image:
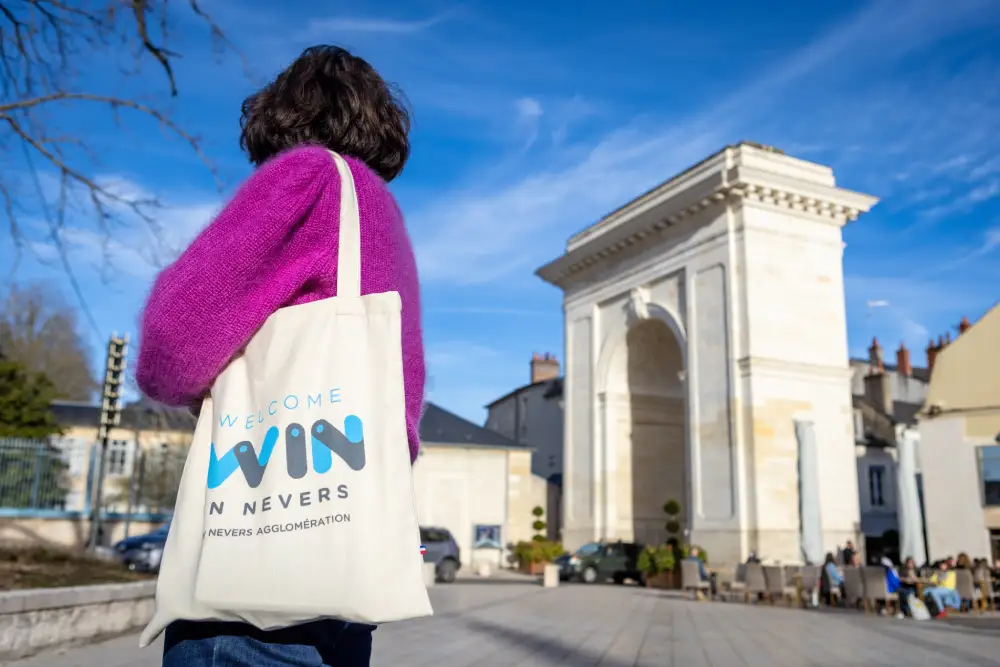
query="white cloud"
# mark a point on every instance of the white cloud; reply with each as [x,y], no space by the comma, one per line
[529,108]
[326,28]
[919,308]
[517,224]
[529,113]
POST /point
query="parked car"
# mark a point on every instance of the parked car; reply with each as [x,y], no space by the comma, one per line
[143,553]
[442,550]
[602,561]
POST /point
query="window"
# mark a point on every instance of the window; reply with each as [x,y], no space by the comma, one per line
[589,549]
[989,473]
[875,476]
[117,457]
[433,535]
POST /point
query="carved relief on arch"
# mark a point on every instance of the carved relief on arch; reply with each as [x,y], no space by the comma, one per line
[637,308]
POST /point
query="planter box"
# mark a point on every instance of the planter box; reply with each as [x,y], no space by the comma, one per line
[534,569]
[665,580]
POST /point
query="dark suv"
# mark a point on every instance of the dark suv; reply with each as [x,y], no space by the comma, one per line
[442,550]
[602,561]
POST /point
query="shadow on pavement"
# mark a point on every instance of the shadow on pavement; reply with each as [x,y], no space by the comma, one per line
[549,650]
[494,581]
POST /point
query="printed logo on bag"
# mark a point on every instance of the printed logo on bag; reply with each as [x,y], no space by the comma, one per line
[314,447]
[325,441]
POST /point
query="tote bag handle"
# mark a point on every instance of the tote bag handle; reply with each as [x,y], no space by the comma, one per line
[349,243]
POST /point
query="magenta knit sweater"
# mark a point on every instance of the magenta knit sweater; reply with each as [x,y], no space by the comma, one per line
[275,245]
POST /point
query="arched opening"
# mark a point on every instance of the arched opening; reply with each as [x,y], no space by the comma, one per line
[647,411]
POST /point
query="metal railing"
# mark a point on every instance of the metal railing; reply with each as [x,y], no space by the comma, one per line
[58,475]
[35,474]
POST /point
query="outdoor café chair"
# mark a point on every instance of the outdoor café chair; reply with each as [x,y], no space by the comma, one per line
[965,586]
[877,590]
[755,584]
[854,587]
[984,579]
[809,581]
[739,583]
[691,578]
[774,576]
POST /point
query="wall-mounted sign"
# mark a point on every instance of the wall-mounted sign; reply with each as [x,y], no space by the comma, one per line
[486,537]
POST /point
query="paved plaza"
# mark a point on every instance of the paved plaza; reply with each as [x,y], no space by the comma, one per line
[522,624]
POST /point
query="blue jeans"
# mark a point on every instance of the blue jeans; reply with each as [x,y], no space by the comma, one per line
[316,644]
[944,597]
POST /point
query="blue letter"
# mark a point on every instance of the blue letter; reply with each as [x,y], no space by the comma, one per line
[318,401]
[228,420]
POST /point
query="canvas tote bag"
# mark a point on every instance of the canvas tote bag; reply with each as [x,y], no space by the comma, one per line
[296,501]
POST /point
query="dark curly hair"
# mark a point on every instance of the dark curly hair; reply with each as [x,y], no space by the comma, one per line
[331,98]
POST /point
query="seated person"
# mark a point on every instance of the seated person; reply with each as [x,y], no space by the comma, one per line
[892,581]
[695,555]
[942,591]
[908,580]
[832,580]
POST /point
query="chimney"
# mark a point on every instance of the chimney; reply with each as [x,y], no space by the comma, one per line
[878,390]
[544,367]
[875,358]
[878,383]
[963,326]
[932,352]
[903,366]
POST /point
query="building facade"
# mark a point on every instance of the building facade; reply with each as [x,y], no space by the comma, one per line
[475,482]
[532,415]
[702,320]
[886,399]
[143,463]
[960,442]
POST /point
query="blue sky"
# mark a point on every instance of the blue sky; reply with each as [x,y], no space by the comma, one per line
[531,123]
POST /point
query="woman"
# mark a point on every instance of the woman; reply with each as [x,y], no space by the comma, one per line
[832,582]
[908,580]
[275,245]
[941,593]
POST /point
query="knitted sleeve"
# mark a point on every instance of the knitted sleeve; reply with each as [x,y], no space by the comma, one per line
[243,267]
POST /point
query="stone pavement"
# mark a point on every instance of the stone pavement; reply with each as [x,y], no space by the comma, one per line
[509,623]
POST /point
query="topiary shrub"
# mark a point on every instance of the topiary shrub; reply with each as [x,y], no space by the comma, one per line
[656,560]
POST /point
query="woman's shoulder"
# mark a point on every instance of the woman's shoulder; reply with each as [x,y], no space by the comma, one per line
[297,159]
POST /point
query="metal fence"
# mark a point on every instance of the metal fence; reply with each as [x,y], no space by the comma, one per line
[59,474]
[35,474]
[150,485]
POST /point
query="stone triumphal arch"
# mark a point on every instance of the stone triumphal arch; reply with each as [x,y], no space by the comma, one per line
[702,319]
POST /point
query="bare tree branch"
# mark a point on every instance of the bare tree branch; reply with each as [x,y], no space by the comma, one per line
[42,43]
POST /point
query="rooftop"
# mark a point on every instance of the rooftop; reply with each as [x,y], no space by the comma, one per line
[440,427]
[437,426]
